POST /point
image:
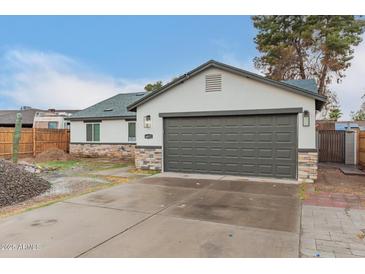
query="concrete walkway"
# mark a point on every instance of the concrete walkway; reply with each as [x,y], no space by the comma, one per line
[162,216]
[332,232]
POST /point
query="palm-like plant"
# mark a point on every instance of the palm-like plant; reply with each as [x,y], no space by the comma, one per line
[335,114]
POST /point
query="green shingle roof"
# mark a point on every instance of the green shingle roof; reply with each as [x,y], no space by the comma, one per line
[308,84]
[114,107]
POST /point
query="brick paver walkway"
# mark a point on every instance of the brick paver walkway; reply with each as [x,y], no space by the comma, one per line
[334,231]
[340,200]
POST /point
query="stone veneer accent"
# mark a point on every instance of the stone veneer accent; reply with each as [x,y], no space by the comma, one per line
[122,151]
[151,158]
[148,157]
[307,166]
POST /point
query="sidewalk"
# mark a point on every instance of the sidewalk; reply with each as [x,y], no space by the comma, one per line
[333,215]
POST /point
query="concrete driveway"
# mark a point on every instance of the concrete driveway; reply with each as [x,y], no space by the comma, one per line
[163,216]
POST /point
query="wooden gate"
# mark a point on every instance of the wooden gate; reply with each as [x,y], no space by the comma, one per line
[331,146]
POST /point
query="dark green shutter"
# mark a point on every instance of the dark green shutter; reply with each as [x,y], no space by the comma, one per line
[96,132]
[131,130]
[89,132]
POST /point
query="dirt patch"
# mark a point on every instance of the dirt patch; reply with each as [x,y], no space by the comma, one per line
[335,189]
[333,180]
[71,178]
[17,184]
[52,155]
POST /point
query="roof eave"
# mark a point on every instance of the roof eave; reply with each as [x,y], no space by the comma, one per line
[100,118]
[211,63]
[320,104]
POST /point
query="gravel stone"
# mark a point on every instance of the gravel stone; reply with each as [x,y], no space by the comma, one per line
[18,185]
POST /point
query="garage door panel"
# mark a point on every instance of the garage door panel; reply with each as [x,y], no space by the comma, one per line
[284,170]
[265,169]
[248,152]
[257,145]
[264,120]
[266,153]
[232,152]
[284,154]
[265,136]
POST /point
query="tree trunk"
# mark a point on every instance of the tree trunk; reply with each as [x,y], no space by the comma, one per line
[301,62]
[322,80]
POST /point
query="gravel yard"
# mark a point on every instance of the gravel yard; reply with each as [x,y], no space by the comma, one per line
[55,181]
[17,184]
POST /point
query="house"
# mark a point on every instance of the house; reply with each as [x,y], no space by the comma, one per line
[53,118]
[8,117]
[219,119]
[340,125]
[215,119]
[106,128]
[37,118]
[350,125]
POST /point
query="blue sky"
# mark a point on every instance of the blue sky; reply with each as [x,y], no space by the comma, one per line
[134,46]
[72,62]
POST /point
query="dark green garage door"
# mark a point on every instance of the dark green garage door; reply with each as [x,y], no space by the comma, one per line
[255,145]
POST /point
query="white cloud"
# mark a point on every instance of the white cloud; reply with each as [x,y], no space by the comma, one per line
[52,80]
[352,87]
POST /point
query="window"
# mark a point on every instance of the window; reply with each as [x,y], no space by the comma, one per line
[92,132]
[66,125]
[147,121]
[52,124]
[132,132]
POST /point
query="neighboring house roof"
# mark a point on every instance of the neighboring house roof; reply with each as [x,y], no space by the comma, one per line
[7,117]
[348,125]
[111,108]
[305,89]
[361,123]
[67,110]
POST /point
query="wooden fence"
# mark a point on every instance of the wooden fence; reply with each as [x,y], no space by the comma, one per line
[361,153]
[331,146]
[33,141]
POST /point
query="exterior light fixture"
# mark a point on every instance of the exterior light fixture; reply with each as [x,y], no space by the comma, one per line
[147,121]
[306,119]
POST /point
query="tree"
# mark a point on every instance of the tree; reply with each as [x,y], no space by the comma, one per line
[335,113]
[331,104]
[303,47]
[153,86]
[360,114]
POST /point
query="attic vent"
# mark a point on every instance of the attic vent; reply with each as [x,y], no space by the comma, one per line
[213,82]
[108,109]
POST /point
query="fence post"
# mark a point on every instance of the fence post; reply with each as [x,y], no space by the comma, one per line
[34,141]
[350,148]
